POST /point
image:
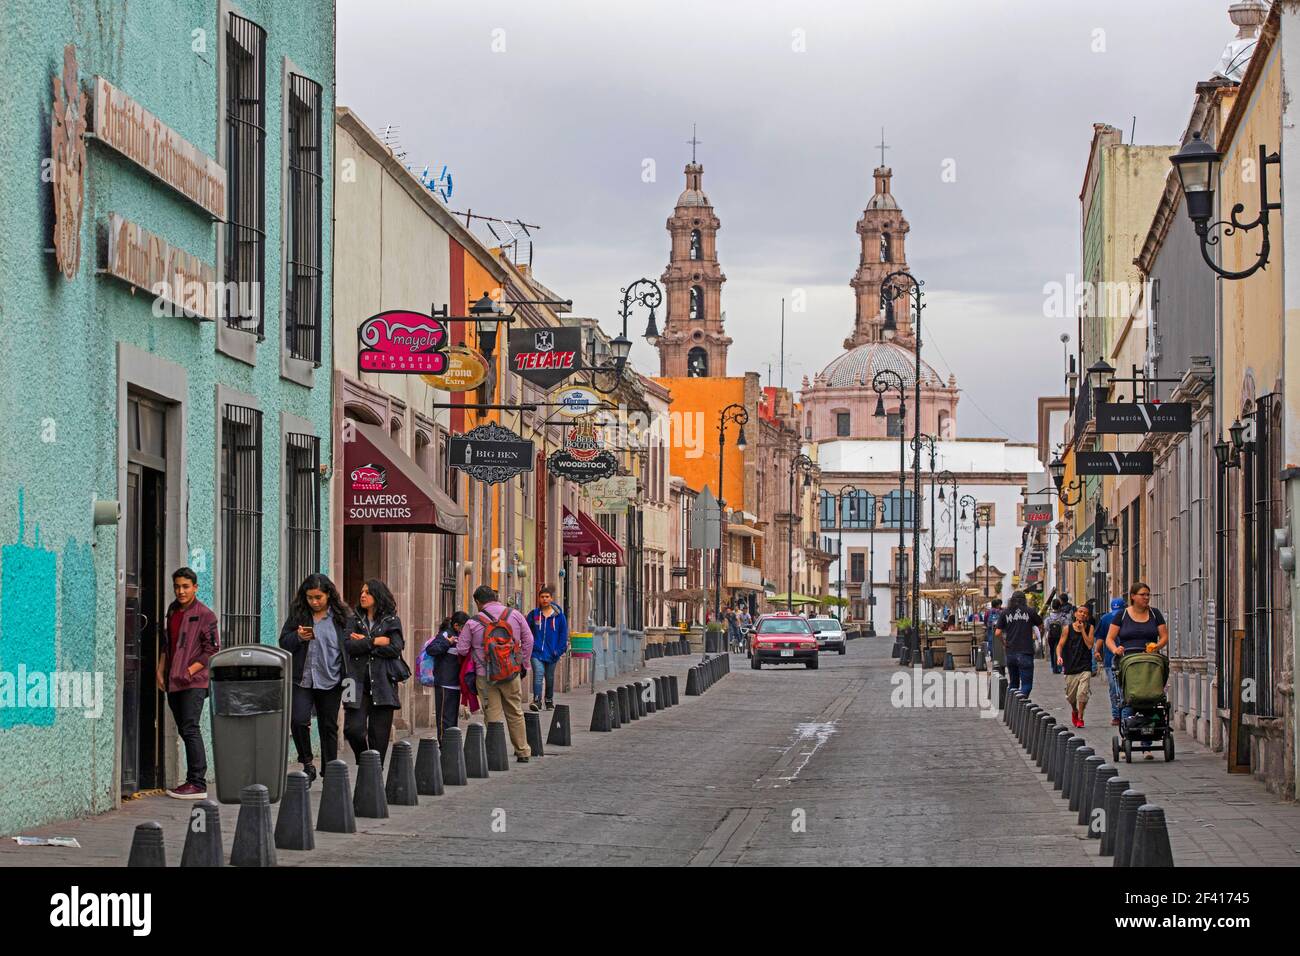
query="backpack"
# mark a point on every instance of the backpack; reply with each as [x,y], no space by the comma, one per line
[425,667]
[501,649]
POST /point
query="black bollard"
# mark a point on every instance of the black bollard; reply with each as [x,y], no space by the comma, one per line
[1002,691]
[560,734]
[661,692]
[1151,838]
[533,730]
[368,798]
[428,768]
[498,754]
[476,765]
[203,834]
[1010,701]
[670,685]
[1125,824]
[401,789]
[1097,799]
[1087,781]
[293,830]
[633,711]
[1045,737]
[650,694]
[1063,734]
[611,701]
[147,846]
[638,698]
[1115,786]
[897,650]
[600,714]
[693,682]
[1062,781]
[335,813]
[1076,775]
[253,843]
[454,773]
[624,711]
[947,662]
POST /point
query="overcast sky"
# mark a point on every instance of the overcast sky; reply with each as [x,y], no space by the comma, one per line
[547,112]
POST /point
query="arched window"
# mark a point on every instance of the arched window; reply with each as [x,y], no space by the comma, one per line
[886,253]
[696,310]
[892,513]
[945,426]
[697,363]
[858,510]
[696,248]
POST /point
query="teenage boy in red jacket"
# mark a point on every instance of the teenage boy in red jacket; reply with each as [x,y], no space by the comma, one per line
[191,639]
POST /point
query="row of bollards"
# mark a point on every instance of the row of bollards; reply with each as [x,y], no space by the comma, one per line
[628,702]
[668,649]
[703,676]
[1092,788]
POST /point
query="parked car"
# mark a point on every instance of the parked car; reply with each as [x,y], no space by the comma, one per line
[783,638]
[830,634]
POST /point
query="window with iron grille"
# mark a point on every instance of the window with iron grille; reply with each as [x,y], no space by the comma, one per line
[241,524]
[857,567]
[303,277]
[301,508]
[245,229]
[1263,513]
[450,542]
[857,510]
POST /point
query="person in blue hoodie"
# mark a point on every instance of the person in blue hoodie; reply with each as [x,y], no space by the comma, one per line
[1108,659]
[550,640]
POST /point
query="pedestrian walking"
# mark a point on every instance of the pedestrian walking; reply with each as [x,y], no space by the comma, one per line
[375,666]
[182,673]
[442,672]
[1102,652]
[1019,625]
[499,640]
[733,628]
[1138,628]
[550,640]
[1073,654]
[1056,622]
[991,614]
[313,634]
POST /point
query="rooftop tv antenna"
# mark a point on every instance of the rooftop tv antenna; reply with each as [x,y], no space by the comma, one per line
[512,235]
[392,138]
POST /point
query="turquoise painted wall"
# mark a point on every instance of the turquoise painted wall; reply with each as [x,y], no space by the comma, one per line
[58,374]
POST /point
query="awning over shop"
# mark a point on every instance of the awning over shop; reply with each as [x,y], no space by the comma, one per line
[1080,549]
[578,541]
[744,531]
[385,490]
[588,541]
[744,586]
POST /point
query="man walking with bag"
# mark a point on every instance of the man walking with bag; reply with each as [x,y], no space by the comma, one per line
[500,641]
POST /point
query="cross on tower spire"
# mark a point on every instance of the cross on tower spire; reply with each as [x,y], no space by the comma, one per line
[882,146]
[695,142]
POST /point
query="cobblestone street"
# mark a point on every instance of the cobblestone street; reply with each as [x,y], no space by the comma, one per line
[782,766]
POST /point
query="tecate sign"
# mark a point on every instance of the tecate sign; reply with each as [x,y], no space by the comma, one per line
[1038,514]
[545,357]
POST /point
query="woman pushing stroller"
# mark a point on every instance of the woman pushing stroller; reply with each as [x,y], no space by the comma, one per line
[1139,628]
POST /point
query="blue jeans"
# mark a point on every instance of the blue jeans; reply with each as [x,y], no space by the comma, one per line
[1020,672]
[543,669]
[1116,695]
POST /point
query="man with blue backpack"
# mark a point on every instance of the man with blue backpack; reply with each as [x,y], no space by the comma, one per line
[500,641]
[550,640]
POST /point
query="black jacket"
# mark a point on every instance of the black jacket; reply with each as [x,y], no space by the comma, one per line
[446,665]
[372,667]
[295,645]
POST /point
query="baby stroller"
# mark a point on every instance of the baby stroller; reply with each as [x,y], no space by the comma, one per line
[1142,679]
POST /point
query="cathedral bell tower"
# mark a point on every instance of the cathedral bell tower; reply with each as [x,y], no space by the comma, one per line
[694,342]
[884,235]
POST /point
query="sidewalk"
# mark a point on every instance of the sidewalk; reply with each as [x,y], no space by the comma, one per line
[1215,818]
[106,838]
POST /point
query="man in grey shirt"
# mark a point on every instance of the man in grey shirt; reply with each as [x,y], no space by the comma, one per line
[503,699]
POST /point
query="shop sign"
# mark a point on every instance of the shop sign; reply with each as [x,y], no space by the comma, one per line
[1140,418]
[611,496]
[582,459]
[1038,514]
[124,125]
[68,163]
[182,282]
[407,343]
[1114,463]
[576,401]
[491,453]
[545,357]
[466,371]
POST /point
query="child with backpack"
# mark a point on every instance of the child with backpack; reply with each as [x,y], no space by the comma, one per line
[439,668]
[500,642]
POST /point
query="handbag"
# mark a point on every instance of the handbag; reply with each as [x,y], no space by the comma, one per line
[398,670]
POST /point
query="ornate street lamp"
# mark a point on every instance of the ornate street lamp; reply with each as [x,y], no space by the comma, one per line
[883,381]
[1198,171]
[799,463]
[738,414]
[645,292]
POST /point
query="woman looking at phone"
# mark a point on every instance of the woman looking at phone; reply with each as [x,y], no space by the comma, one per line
[313,634]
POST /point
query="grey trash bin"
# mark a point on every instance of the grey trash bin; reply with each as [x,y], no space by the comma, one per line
[252,687]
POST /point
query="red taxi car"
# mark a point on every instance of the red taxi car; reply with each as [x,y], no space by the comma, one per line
[783,638]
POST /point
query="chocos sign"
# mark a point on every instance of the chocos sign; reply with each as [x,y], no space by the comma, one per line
[368,498]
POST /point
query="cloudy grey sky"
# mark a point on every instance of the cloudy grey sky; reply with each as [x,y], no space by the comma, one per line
[547,112]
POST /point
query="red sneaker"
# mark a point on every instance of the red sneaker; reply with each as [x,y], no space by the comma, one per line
[188,791]
[1074,717]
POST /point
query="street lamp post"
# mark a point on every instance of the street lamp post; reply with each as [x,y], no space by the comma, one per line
[883,381]
[871,568]
[918,443]
[839,524]
[799,463]
[948,479]
[967,501]
[738,414]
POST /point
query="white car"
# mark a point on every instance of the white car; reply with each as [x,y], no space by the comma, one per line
[830,633]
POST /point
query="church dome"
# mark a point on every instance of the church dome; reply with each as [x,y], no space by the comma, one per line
[859,366]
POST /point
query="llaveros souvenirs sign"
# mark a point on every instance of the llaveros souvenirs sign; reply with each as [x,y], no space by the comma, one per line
[545,357]
[582,459]
[408,343]
[491,454]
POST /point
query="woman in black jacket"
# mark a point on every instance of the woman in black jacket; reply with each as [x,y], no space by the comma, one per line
[446,671]
[314,634]
[374,654]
